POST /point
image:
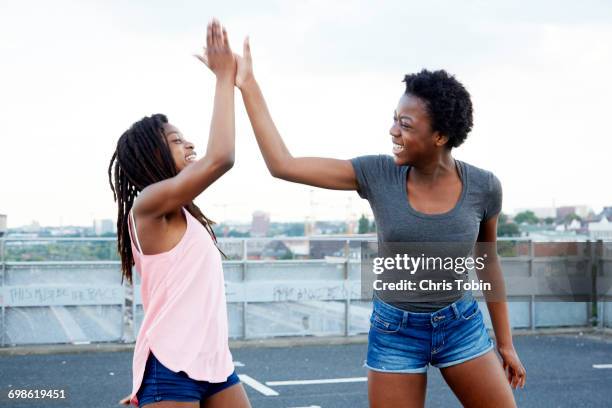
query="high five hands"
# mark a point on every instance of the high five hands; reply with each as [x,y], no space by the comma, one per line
[219,58]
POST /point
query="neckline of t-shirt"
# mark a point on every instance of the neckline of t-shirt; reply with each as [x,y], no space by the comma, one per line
[464,187]
[174,248]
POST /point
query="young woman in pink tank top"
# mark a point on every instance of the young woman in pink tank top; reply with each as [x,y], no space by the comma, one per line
[181,357]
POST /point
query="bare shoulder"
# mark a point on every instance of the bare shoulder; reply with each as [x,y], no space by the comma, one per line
[158,234]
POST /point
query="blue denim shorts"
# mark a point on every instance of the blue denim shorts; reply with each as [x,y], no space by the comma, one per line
[162,384]
[406,342]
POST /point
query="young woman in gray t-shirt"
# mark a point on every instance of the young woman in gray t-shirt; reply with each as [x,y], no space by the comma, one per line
[419,193]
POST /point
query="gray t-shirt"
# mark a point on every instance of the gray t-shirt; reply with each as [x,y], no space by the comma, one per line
[383,184]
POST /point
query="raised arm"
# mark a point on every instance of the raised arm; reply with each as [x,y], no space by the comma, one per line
[166,196]
[315,171]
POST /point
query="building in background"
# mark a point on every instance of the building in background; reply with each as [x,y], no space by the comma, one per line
[2,225]
[300,248]
[581,211]
[260,224]
[309,226]
[606,212]
[33,228]
[602,229]
[104,226]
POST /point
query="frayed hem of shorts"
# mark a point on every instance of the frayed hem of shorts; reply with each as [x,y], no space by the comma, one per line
[463,360]
[173,399]
[421,370]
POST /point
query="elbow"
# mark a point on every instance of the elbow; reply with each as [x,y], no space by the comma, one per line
[277,173]
[282,172]
[228,163]
[280,169]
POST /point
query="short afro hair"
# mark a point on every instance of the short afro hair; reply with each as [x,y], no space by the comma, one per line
[448,103]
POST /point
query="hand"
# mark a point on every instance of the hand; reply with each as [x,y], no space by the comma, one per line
[217,54]
[125,400]
[244,70]
[512,366]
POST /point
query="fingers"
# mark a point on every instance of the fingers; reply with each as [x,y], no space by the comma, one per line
[218,36]
[523,377]
[515,379]
[506,369]
[225,39]
[246,48]
[513,369]
[519,376]
[212,34]
[209,35]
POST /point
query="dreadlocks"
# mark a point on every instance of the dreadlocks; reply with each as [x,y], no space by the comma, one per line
[142,157]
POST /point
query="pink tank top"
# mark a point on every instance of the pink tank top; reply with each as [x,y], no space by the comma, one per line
[185,315]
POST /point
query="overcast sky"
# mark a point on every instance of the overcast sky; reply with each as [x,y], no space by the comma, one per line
[76,74]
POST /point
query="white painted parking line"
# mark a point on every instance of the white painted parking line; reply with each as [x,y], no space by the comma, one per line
[238,364]
[602,365]
[324,381]
[257,386]
[310,406]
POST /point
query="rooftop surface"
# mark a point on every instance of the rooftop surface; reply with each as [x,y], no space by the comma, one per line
[569,370]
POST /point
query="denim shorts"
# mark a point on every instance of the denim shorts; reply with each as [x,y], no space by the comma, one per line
[406,342]
[162,384]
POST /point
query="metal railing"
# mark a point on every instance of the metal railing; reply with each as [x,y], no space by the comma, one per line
[84,301]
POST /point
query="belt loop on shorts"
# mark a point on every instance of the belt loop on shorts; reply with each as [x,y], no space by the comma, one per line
[455,311]
[405,319]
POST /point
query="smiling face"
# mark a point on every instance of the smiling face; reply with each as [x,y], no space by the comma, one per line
[413,139]
[182,150]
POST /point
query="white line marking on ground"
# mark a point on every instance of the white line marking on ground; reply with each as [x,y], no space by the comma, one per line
[257,386]
[324,381]
[238,364]
[310,406]
[602,365]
